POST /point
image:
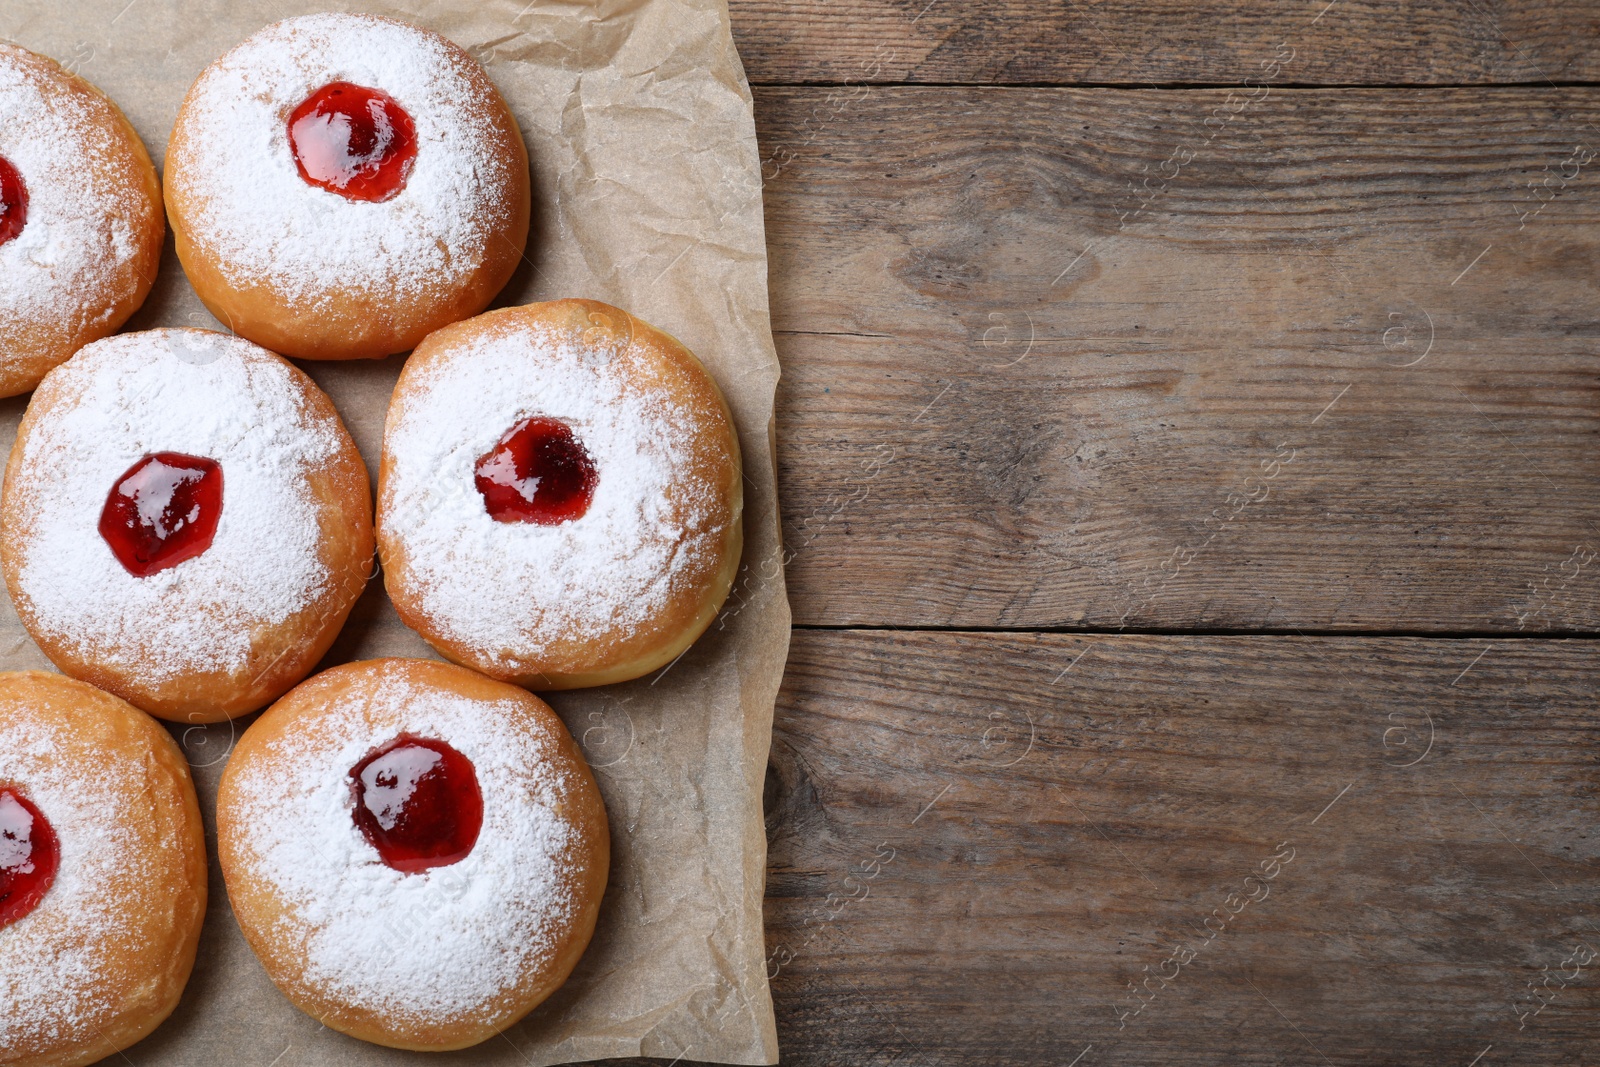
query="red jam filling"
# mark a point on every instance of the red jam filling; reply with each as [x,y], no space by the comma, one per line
[163,511]
[13,201]
[29,856]
[417,802]
[353,141]
[539,472]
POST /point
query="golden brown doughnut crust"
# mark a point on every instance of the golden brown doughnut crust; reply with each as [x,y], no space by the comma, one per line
[350,323]
[661,363]
[32,348]
[264,915]
[161,892]
[281,655]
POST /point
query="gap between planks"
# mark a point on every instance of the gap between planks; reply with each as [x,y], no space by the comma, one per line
[1174,87]
[1151,631]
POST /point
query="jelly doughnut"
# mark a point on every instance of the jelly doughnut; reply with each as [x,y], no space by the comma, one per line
[560,495]
[185,522]
[102,872]
[80,217]
[342,185]
[416,853]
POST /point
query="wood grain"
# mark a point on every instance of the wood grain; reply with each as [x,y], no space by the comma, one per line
[978,841]
[1317,360]
[1139,42]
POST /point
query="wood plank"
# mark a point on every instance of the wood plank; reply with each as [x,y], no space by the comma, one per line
[1332,369]
[1140,42]
[973,854]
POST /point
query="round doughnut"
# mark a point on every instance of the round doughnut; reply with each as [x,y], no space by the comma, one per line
[185,522]
[560,495]
[97,814]
[342,185]
[416,853]
[80,217]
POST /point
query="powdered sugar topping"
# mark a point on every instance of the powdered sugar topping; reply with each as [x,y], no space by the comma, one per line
[511,589]
[266,225]
[202,394]
[82,187]
[55,973]
[424,947]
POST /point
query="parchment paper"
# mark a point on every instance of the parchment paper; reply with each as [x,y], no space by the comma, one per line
[647,195]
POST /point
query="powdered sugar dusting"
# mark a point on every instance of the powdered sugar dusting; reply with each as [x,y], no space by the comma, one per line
[189,391]
[510,590]
[82,191]
[55,972]
[255,214]
[425,947]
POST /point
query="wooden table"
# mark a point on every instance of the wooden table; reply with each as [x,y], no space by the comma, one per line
[1188,455]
